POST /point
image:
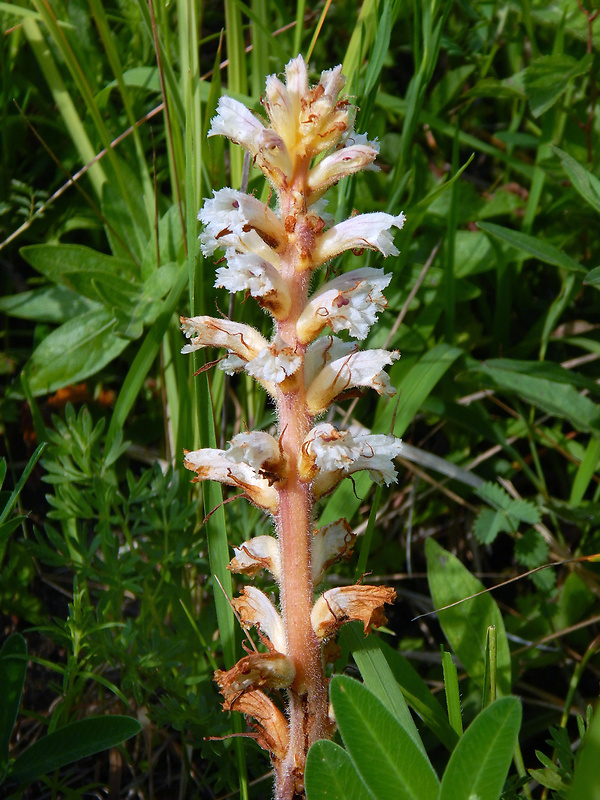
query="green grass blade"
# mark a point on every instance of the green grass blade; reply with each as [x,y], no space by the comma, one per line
[452,693]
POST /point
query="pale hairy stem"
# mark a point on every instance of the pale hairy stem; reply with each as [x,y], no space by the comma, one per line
[308,695]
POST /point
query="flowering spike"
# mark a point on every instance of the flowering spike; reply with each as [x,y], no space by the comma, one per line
[306,145]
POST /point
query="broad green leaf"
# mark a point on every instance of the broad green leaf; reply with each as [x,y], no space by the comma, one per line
[465,625]
[76,350]
[389,762]
[532,245]
[13,666]
[559,399]
[480,762]
[548,78]
[584,182]
[545,369]
[593,278]
[71,743]
[49,304]
[378,677]
[103,287]
[139,77]
[54,260]
[331,775]
[549,778]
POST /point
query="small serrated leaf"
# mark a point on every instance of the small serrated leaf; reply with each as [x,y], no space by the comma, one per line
[531,550]
[525,511]
[495,495]
[488,525]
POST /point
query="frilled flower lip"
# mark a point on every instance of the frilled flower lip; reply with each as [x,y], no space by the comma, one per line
[233,219]
[329,454]
[253,462]
[267,148]
[274,363]
[364,368]
[349,302]
[362,231]
[248,272]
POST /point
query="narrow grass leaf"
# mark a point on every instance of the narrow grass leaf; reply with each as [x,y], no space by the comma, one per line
[480,762]
[331,775]
[13,666]
[389,762]
[72,743]
[452,693]
[533,246]
[465,625]
[559,399]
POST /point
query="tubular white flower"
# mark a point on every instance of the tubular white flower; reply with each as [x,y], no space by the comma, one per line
[274,363]
[358,369]
[323,351]
[330,544]
[328,455]
[363,230]
[218,465]
[256,610]
[229,214]
[247,272]
[340,164]
[240,125]
[243,340]
[261,552]
[350,302]
[236,122]
[259,450]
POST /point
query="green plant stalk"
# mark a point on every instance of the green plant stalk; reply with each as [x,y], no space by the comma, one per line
[64,103]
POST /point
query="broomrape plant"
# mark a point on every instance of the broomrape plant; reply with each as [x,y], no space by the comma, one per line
[307,146]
